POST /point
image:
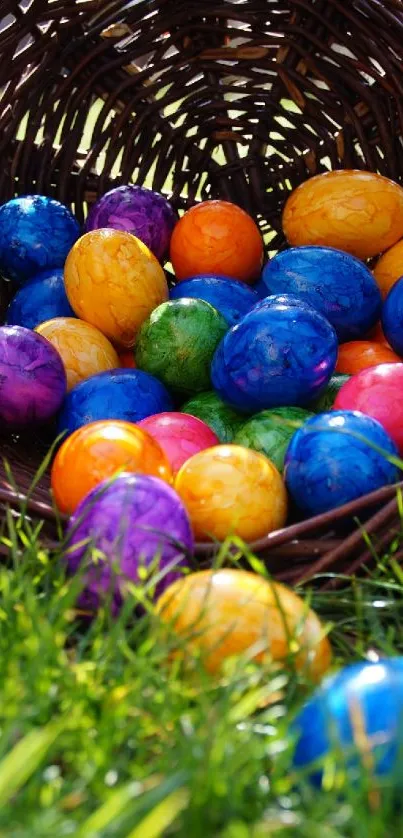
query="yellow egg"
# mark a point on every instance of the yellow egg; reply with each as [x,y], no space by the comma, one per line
[114,282]
[359,212]
[389,268]
[83,349]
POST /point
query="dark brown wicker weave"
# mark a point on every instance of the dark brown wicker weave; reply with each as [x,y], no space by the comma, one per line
[238,100]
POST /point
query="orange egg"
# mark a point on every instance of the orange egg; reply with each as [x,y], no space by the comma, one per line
[360,354]
[126,360]
[389,268]
[377,336]
[219,238]
[229,489]
[96,452]
[220,614]
[359,212]
[84,350]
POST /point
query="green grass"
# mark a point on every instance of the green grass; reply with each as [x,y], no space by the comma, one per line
[101,738]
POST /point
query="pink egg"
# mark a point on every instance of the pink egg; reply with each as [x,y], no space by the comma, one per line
[179,435]
[377,392]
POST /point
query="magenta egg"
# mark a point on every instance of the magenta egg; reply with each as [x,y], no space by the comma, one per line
[179,435]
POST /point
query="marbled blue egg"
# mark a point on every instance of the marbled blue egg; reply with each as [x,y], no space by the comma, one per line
[326,723]
[331,460]
[283,300]
[337,284]
[276,356]
[36,233]
[392,317]
[231,298]
[126,394]
[41,298]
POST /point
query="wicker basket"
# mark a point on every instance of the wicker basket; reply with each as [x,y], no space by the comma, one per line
[231,99]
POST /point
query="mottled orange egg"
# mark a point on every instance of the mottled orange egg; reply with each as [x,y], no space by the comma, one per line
[389,268]
[217,237]
[229,489]
[360,354]
[220,614]
[359,212]
[83,349]
[126,360]
[98,451]
[114,282]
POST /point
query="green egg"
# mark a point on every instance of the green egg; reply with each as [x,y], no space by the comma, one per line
[221,418]
[328,398]
[270,432]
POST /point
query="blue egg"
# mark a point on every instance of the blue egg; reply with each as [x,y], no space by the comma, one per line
[276,356]
[41,298]
[363,694]
[330,460]
[282,300]
[231,298]
[260,288]
[338,285]
[36,233]
[392,317]
[125,394]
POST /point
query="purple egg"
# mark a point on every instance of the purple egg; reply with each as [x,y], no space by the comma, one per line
[137,210]
[32,378]
[139,526]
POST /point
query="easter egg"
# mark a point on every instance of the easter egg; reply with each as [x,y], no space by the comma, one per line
[377,392]
[377,335]
[281,300]
[32,378]
[331,460]
[389,268]
[359,212]
[231,490]
[98,451]
[276,356]
[39,299]
[336,284]
[36,233]
[358,355]
[223,613]
[177,344]
[365,696]
[217,237]
[215,413]
[139,526]
[83,349]
[327,399]
[392,317]
[179,435]
[129,395]
[114,282]
[270,432]
[137,210]
[231,298]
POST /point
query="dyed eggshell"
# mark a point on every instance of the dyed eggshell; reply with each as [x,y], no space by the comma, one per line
[359,212]
[217,237]
[177,344]
[358,355]
[126,360]
[392,317]
[278,355]
[270,431]
[41,298]
[389,268]
[180,436]
[138,524]
[128,395]
[231,490]
[377,336]
[281,300]
[369,692]
[36,233]
[327,399]
[32,378]
[223,613]
[137,210]
[98,451]
[83,349]
[330,460]
[336,284]
[231,298]
[216,414]
[377,392]
[114,282]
